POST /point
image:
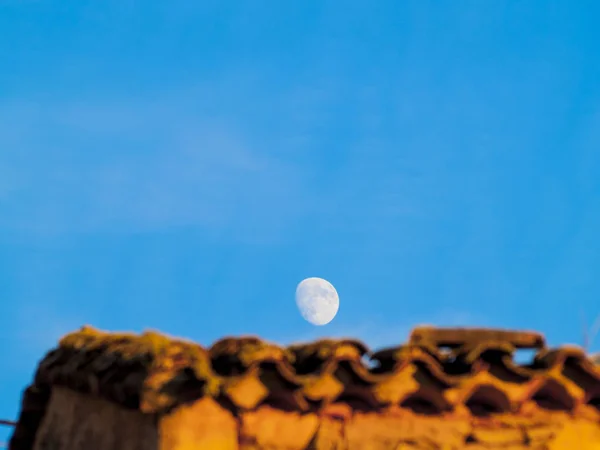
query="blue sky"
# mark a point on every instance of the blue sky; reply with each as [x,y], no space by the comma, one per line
[183,165]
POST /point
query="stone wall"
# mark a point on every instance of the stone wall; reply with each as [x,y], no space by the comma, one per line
[206,425]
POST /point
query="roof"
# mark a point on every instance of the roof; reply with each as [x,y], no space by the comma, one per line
[472,371]
[154,372]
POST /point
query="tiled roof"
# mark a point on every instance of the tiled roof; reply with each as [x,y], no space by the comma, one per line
[154,373]
[438,371]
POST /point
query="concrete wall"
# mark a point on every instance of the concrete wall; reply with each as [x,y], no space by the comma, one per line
[77,422]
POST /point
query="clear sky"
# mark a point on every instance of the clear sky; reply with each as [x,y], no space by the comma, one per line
[182,165]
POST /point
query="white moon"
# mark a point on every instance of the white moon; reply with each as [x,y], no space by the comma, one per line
[317,300]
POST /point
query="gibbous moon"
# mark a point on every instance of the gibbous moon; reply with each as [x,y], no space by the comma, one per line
[317,300]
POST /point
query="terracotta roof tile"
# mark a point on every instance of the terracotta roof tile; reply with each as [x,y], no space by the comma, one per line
[467,371]
[459,337]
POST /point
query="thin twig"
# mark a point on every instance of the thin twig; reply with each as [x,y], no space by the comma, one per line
[594,330]
[8,423]
[586,335]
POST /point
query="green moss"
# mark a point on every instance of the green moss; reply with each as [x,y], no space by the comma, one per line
[324,349]
[165,354]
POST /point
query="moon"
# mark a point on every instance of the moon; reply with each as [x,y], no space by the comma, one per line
[317,300]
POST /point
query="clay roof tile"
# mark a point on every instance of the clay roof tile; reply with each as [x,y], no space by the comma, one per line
[154,372]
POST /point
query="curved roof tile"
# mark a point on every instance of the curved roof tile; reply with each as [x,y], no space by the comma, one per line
[442,368]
